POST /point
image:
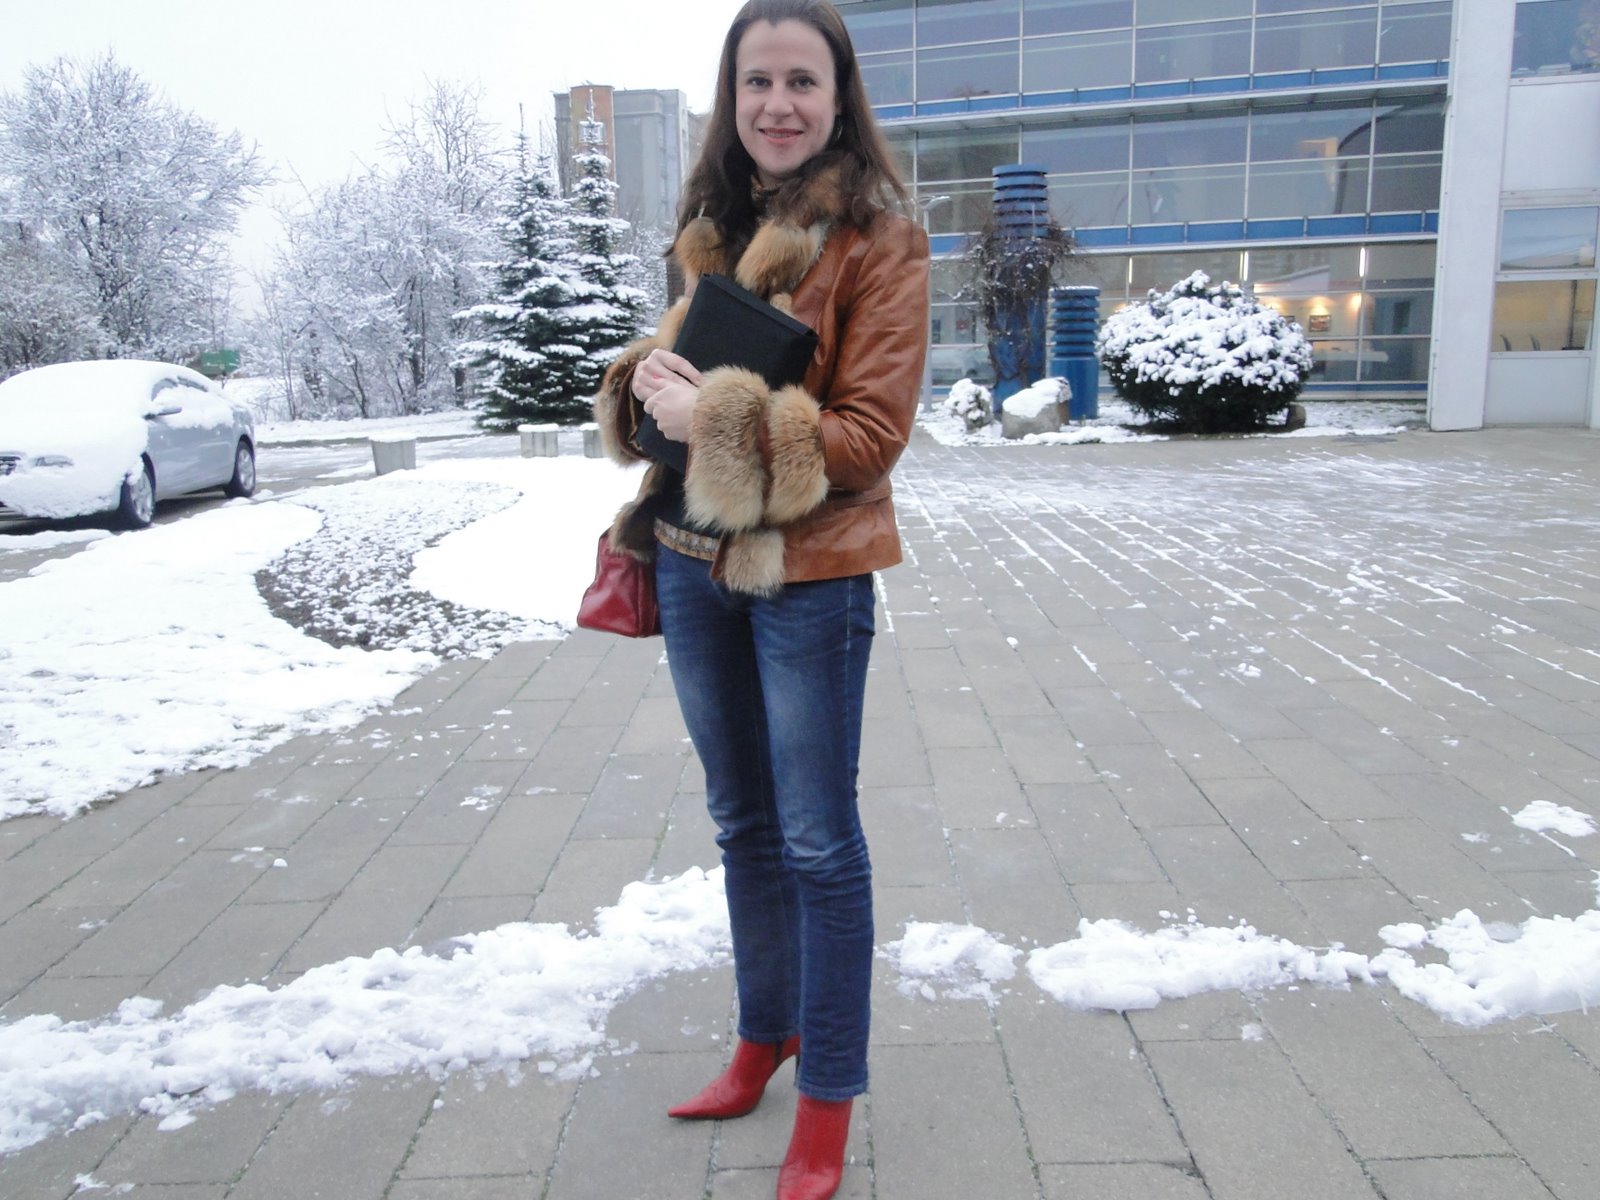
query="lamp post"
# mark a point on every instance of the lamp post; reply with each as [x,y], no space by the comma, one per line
[927,206]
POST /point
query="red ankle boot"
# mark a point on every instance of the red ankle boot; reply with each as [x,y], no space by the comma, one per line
[815,1162]
[738,1089]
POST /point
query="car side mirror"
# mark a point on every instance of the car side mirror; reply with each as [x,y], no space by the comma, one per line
[166,410]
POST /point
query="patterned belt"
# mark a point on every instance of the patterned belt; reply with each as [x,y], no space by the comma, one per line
[695,545]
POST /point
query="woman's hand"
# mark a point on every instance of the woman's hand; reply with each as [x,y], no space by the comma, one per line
[669,386]
[662,368]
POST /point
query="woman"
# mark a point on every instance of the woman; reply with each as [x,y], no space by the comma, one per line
[765,547]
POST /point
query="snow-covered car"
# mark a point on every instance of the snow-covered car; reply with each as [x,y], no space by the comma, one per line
[115,436]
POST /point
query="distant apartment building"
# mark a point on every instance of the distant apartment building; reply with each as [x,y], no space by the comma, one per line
[648,137]
[1322,152]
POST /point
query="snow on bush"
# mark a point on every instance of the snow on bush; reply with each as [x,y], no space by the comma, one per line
[972,402]
[1206,358]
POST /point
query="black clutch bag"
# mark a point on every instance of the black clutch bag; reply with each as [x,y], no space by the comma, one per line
[729,326]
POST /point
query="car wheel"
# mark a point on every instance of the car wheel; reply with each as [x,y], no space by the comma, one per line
[137,507]
[243,482]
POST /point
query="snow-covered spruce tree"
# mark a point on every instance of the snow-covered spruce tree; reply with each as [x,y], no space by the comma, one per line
[530,348]
[610,310]
[1204,357]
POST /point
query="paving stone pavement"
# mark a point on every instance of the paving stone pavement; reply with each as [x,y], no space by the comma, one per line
[1273,680]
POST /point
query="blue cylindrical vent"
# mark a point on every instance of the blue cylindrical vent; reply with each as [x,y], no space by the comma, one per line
[1022,211]
[1074,323]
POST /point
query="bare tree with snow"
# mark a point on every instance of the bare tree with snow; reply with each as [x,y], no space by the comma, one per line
[133,199]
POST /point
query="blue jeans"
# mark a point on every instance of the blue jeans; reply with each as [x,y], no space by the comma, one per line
[771,690]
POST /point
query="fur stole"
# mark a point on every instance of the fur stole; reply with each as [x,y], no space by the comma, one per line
[755,461]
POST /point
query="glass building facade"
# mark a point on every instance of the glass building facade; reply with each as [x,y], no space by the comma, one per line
[1291,145]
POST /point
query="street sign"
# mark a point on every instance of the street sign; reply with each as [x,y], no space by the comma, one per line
[218,362]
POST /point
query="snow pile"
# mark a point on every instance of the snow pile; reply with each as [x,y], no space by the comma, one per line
[965,960]
[1494,972]
[531,991]
[456,422]
[153,652]
[1112,965]
[1545,816]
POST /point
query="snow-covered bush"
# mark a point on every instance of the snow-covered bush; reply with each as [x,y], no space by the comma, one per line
[972,402]
[1205,358]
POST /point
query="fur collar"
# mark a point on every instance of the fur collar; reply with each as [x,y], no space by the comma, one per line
[787,243]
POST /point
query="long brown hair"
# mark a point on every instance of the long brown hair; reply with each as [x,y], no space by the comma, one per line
[720,184]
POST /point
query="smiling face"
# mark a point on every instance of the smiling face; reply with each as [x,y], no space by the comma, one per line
[785,97]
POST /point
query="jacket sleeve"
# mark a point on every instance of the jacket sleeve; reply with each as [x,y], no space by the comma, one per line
[764,458]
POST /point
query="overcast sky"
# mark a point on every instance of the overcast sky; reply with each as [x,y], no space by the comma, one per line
[311,81]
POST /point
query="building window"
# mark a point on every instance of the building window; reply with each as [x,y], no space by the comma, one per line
[1414,32]
[1328,39]
[1062,148]
[943,22]
[1556,37]
[1325,187]
[1198,51]
[1542,314]
[880,25]
[1406,182]
[1160,12]
[1184,194]
[1071,16]
[1317,131]
[962,72]
[1080,60]
[1081,201]
[1548,239]
[887,77]
[1189,141]
[1411,127]
[964,153]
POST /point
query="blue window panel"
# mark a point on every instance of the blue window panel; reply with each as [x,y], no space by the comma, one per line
[1147,91]
[973,104]
[1285,79]
[932,108]
[947,243]
[1336,226]
[1048,99]
[1113,235]
[1342,75]
[1430,222]
[1215,231]
[1157,235]
[894,112]
[1105,95]
[1290,227]
[1395,223]
[1425,70]
[1234,83]
[990,103]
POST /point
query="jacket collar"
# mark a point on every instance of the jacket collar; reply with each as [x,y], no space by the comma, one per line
[787,243]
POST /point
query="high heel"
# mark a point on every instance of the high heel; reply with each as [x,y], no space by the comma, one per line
[738,1089]
[814,1164]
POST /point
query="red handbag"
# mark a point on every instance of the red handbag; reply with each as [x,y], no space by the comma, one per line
[622,598]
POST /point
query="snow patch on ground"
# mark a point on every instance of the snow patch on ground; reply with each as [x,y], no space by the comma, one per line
[531,990]
[544,993]
[1545,816]
[156,653]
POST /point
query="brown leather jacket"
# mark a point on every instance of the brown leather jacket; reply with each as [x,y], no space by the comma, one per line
[797,480]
